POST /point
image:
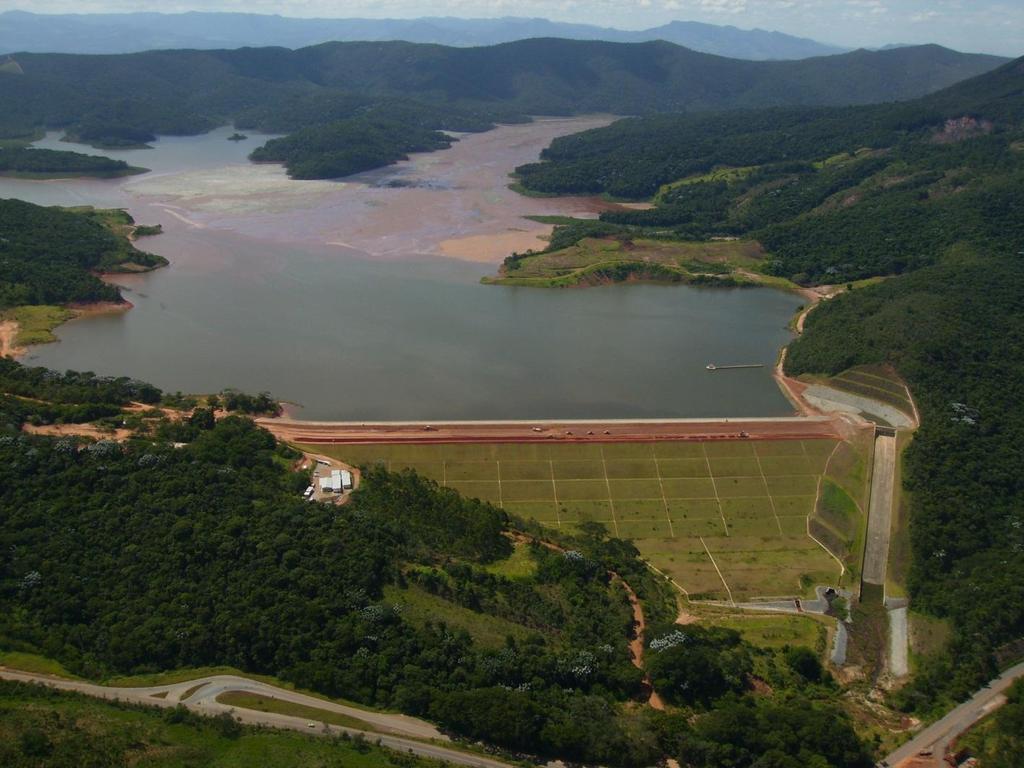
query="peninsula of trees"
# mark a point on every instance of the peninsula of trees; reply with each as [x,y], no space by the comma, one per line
[32,163]
[53,255]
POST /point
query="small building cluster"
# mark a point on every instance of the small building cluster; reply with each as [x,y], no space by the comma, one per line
[339,481]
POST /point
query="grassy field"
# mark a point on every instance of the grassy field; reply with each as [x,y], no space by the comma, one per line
[596,260]
[418,606]
[31,662]
[719,174]
[36,323]
[725,520]
[776,631]
[281,707]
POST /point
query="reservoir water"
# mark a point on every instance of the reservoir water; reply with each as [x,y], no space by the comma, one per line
[343,296]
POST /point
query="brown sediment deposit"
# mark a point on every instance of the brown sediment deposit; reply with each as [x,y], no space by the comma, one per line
[77,430]
[100,307]
[491,248]
[8,336]
[454,203]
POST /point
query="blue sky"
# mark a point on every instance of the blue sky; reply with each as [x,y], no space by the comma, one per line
[995,26]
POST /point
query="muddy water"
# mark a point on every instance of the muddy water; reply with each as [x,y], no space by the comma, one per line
[335,295]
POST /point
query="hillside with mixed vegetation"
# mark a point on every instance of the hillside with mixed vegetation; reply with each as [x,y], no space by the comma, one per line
[346,95]
[830,195]
[928,194]
[409,597]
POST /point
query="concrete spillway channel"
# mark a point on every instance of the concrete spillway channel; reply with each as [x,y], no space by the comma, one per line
[876,550]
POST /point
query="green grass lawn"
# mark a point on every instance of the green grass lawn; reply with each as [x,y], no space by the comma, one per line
[31,662]
[259,703]
[520,565]
[723,519]
[777,631]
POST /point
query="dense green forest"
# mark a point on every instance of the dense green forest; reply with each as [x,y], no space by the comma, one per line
[52,255]
[50,162]
[632,158]
[833,195]
[347,147]
[44,728]
[332,89]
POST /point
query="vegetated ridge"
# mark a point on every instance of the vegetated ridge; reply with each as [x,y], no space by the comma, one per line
[368,102]
[832,195]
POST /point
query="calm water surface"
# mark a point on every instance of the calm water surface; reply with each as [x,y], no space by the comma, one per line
[412,336]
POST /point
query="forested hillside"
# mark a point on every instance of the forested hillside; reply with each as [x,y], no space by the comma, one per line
[52,255]
[832,194]
[125,100]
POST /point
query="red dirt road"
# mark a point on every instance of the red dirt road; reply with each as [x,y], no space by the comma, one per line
[314,432]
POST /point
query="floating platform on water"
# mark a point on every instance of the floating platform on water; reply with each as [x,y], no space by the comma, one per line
[713,367]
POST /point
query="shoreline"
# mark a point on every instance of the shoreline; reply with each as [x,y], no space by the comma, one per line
[11,328]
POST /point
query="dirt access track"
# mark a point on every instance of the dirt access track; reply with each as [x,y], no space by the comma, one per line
[330,433]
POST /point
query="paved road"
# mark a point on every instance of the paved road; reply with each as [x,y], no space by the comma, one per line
[876,551]
[396,732]
[938,736]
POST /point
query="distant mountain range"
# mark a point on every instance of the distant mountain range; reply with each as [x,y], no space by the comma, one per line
[358,105]
[133,32]
[165,91]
